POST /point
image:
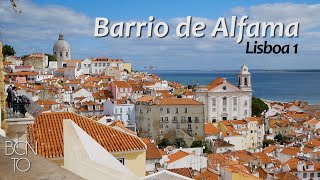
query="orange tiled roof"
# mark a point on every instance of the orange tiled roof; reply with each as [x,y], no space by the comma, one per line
[218,81]
[48,133]
[152,151]
[176,156]
[286,176]
[208,175]
[122,126]
[293,151]
[178,101]
[73,61]
[187,172]
[269,149]
[121,84]
[263,157]
[210,129]
[145,99]
[238,122]
[312,121]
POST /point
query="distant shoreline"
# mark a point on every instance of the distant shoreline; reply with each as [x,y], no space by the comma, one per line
[253,70]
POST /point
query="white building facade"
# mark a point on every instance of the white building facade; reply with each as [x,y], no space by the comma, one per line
[224,101]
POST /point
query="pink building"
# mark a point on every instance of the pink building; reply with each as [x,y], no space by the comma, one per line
[120,89]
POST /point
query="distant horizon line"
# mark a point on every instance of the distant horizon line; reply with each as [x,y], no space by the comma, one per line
[302,70]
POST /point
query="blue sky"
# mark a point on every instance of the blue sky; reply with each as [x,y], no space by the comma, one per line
[37,28]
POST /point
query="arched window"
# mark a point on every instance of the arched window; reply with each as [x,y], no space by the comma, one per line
[245,81]
[60,54]
[67,54]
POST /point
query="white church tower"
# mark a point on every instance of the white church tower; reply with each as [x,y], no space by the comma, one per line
[62,51]
[244,78]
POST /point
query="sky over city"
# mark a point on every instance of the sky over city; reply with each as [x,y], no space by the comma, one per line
[36,29]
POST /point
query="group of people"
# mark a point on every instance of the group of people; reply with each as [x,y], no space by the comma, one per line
[12,98]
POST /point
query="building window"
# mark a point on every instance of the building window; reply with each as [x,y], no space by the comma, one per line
[167,126]
[161,125]
[304,175]
[161,109]
[85,65]
[177,110]
[167,119]
[189,126]
[245,112]
[318,174]
[214,120]
[175,119]
[95,64]
[108,64]
[67,54]
[61,54]
[104,64]
[311,175]
[168,110]
[224,101]
[214,101]
[245,103]
[245,81]
[234,101]
[186,110]
[234,109]
[213,109]
[121,160]
[224,118]
[224,109]
[196,119]
[183,119]
[189,120]
[161,120]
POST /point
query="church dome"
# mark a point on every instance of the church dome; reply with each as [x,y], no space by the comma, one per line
[61,45]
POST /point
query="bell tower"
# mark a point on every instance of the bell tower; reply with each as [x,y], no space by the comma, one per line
[244,78]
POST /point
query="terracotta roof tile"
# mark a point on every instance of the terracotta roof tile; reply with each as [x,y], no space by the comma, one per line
[153,151]
[176,156]
[218,81]
[178,101]
[293,151]
[210,129]
[48,133]
[121,84]
[208,175]
[269,149]
[187,172]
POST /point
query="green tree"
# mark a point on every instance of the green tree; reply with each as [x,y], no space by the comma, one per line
[278,138]
[202,144]
[180,142]
[258,106]
[164,143]
[51,57]
[267,142]
[8,50]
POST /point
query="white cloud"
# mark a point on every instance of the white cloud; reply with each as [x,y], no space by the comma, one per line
[36,29]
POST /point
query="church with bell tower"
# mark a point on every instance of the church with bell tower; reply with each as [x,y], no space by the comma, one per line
[224,101]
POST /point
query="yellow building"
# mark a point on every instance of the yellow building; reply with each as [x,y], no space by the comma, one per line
[127,66]
[128,149]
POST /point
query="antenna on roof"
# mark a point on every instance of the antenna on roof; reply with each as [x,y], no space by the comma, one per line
[14,6]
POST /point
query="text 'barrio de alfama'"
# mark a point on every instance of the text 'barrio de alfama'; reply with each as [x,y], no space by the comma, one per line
[235,27]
